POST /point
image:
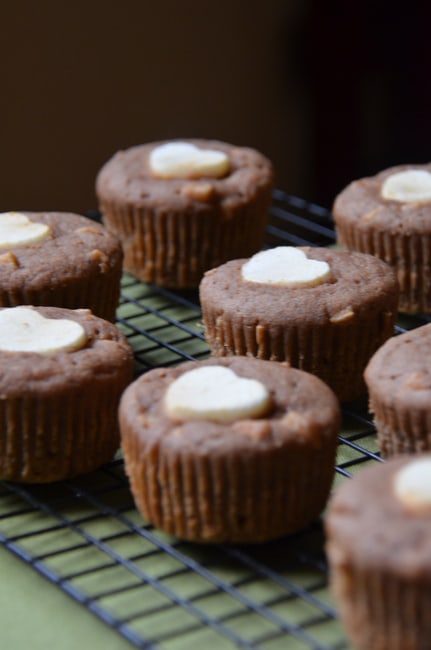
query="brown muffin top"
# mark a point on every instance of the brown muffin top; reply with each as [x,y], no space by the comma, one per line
[400,371]
[76,246]
[304,413]
[105,354]
[127,177]
[367,524]
[358,283]
[362,204]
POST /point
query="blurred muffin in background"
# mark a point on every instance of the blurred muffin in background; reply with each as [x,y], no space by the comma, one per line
[183,207]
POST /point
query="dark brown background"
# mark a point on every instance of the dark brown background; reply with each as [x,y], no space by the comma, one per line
[328,90]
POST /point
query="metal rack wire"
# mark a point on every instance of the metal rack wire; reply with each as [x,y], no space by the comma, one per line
[86,537]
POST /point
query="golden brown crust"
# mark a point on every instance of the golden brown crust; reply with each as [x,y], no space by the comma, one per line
[251,480]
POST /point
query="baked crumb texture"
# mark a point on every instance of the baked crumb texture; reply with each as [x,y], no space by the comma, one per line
[330,330]
[59,410]
[79,265]
[397,232]
[399,385]
[250,480]
[174,229]
[379,550]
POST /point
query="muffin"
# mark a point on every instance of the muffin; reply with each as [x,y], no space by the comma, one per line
[323,311]
[62,373]
[182,207]
[398,378]
[229,450]
[379,552]
[59,259]
[389,215]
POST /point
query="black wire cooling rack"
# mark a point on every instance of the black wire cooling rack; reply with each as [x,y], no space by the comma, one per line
[86,537]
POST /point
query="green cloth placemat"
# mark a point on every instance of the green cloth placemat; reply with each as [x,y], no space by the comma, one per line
[36,615]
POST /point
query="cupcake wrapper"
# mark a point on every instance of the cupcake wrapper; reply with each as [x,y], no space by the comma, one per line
[174,249]
[400,430]
[51,438]
[382,611]
[337,353]
[99,293]
[240,498]
[410,256]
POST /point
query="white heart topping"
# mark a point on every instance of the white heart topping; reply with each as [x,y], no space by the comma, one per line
[185,160]
[409,186]
[216,393]
[17,229]
[25,330]
[286,266]
[413,484]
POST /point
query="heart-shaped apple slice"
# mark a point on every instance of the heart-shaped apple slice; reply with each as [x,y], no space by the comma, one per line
[17,229]
[216,393]
[286,266]
[409,186]
[23,329]
[185,160]
[412,484]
